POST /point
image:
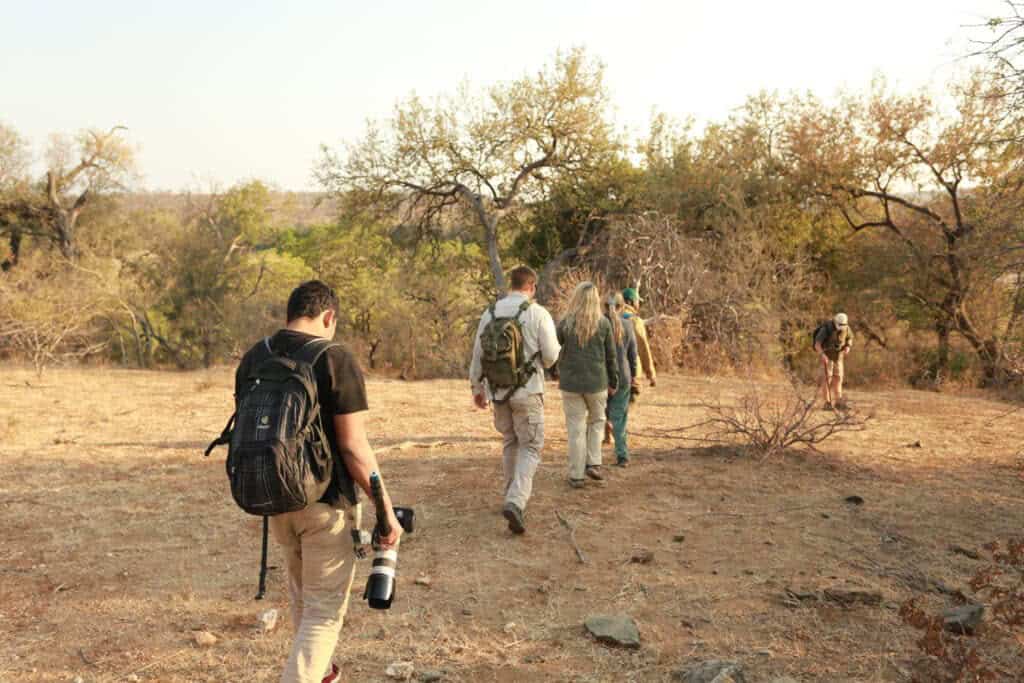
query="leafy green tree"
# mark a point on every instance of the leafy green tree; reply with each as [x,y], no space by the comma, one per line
[478,159]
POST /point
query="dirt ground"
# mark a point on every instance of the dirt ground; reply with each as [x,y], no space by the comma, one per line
[118,540]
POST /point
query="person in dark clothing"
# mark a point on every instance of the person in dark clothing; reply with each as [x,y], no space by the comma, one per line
[316,541]
[625,350]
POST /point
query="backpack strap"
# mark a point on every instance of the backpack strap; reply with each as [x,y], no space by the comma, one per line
[224,438]
[311,351]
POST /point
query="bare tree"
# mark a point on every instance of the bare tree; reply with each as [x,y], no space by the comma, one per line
[947,190]
[480,158]
[78,168]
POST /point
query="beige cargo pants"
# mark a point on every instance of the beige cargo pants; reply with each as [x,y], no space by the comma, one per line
[320,561]
[521,423]
[584,421]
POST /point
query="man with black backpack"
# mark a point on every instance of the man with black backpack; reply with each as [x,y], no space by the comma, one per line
[833,339]
[514,342]
[299,443]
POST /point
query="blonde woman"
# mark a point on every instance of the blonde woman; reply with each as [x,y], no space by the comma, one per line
[625,349]
[588,375]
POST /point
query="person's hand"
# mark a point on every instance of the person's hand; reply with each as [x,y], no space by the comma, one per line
[480,401]
[611,391]
[391,540]
[846,351]
[654,382]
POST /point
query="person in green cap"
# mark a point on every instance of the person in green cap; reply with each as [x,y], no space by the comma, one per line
[643,344]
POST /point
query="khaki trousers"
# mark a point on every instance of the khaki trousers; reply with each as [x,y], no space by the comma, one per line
[321,565]
[521,423]
[584,421]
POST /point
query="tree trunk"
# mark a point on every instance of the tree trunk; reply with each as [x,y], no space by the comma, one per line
[493,254]
[941,368]
[12,259]
[65,229]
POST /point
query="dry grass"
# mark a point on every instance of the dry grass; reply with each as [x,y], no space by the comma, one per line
[119,540]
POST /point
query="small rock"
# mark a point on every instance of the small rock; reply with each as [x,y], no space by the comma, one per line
[133,678]
[713,671]
[854,500]
[431,676]
[679,538]
[204,639]
[466,612]
[509,627]
[423,580]
[783,679]
[268,620]
[400,671]
[963,620]
[618,629]
[966,552]
[77,679]
[642,557]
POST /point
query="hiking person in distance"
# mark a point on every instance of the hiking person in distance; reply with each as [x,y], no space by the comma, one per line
[588,377]
[316,540]
[625,352]
[833,340]
[515,341]
[643,343]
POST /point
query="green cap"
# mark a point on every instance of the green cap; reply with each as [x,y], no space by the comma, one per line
[630,295]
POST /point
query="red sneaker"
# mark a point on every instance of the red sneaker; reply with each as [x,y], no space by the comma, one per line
[334,676]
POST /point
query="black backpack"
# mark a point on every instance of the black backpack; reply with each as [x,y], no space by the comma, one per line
[824,324]
[279,459]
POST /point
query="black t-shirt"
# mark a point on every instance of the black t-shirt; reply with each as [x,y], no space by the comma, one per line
[341,388]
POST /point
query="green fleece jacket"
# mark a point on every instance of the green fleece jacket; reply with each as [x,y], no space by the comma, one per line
[590,368]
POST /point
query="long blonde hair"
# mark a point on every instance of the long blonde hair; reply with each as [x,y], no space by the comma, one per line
[584,312]
[615,304]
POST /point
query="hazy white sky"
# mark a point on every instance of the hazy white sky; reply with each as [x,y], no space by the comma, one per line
[219,92]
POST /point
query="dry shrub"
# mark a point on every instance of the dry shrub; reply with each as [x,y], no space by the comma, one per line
[558,302]
[994,651]
[766,424]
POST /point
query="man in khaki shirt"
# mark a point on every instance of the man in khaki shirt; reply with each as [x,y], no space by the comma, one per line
[519,415]
[643,344]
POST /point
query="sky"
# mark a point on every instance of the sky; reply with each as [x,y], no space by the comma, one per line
[215,92]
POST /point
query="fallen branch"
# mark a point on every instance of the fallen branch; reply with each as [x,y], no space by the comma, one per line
[406,445]
[572,537]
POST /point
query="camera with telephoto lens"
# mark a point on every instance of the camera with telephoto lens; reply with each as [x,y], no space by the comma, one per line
[380,584]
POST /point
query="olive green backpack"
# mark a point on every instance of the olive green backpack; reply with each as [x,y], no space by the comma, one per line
[503,359]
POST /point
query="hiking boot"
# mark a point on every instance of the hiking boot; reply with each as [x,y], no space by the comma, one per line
[514,516]
[622,462]
[576,483]
[827,406]
[594,472]
[334,676]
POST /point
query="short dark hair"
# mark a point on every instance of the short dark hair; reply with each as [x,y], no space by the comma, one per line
[521,277]
[310,299]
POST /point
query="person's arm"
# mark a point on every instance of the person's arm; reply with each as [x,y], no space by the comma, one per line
[548,339]
[611,360]
[360,461]
[475,367]
[631,353]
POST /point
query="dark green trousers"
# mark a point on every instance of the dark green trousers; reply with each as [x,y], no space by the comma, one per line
[618,411]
